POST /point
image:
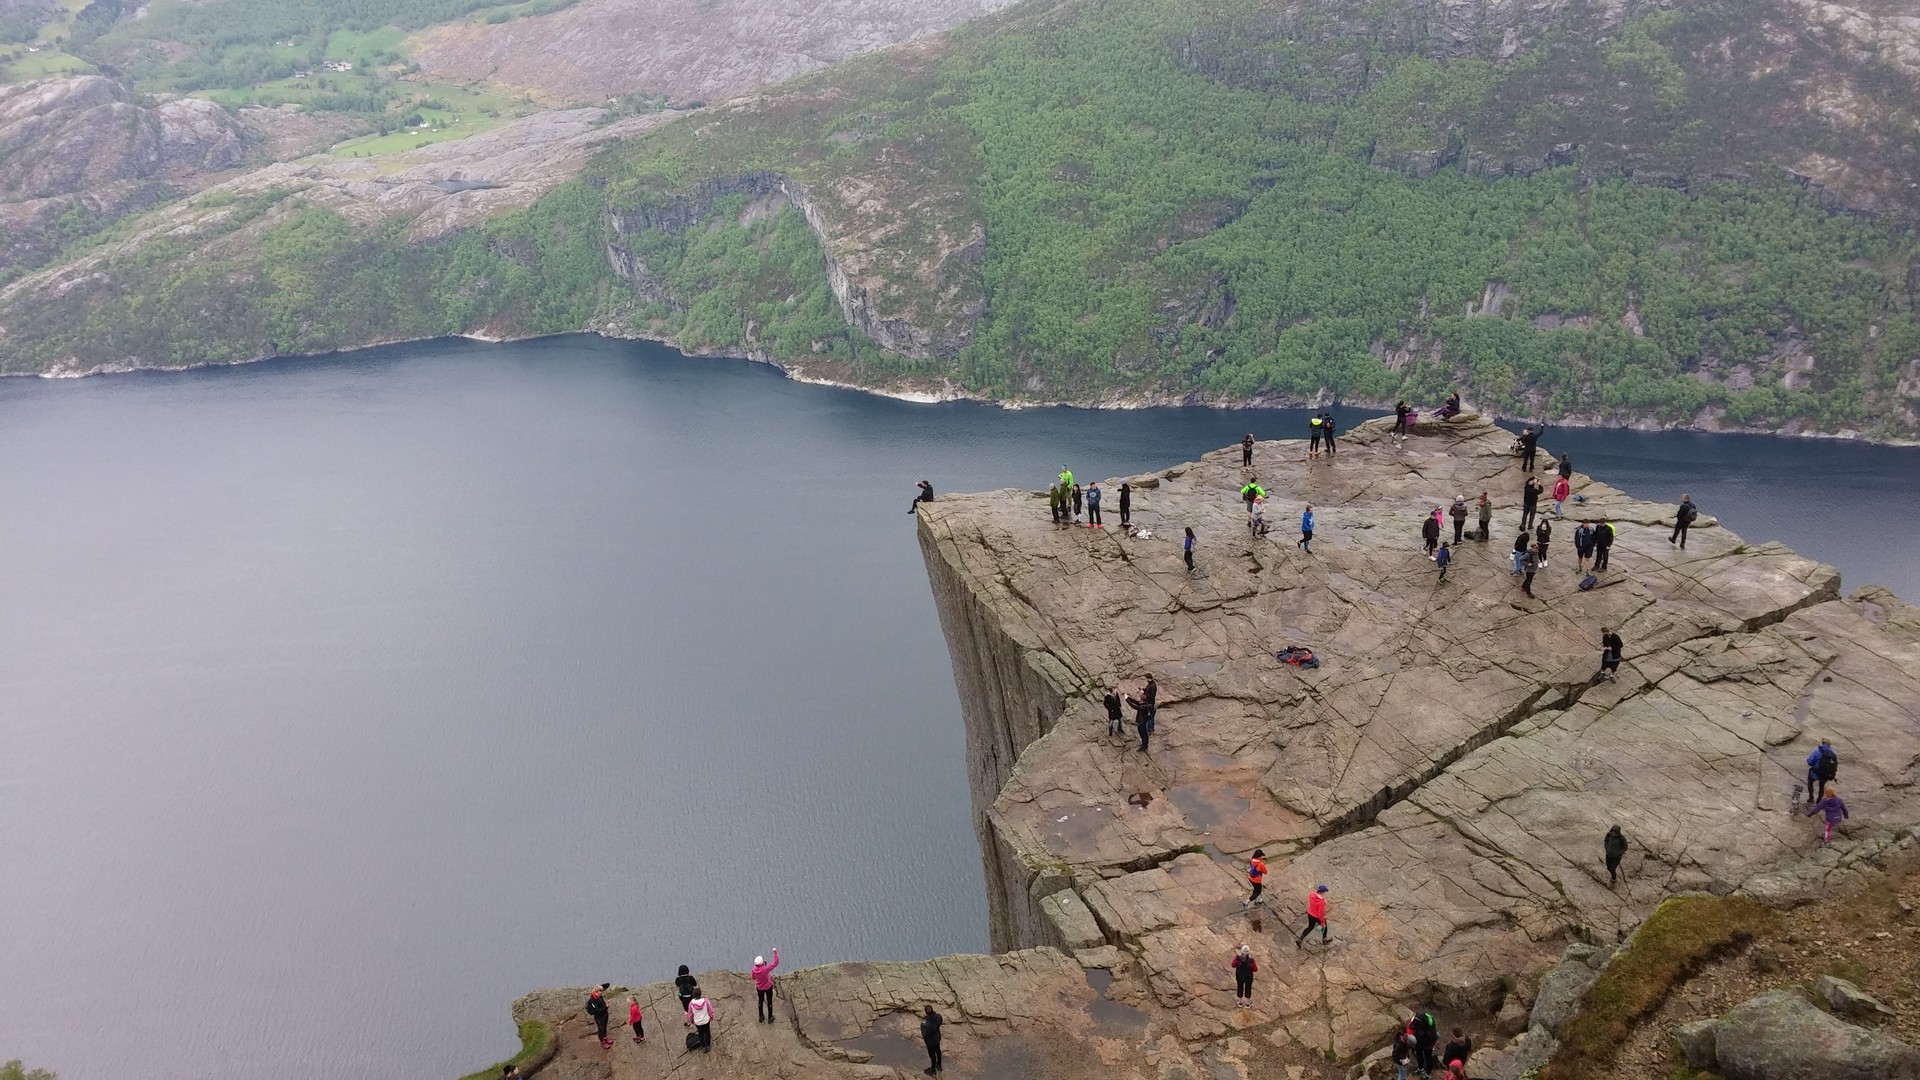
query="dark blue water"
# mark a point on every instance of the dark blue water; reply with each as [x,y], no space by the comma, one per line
[344,700]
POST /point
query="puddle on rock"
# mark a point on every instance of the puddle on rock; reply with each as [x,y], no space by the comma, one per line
[1205,807]
[1110,1013]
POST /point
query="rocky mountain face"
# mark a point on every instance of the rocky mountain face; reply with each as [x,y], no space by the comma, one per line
[88,145]
[681,50]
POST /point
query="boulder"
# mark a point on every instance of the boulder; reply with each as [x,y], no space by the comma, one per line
[1512,1018]
[1559,996]
[1847,999]
[1696,1043]
[1071,920]
[1781,1036]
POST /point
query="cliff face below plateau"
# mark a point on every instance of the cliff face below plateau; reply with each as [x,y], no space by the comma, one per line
[1448,771]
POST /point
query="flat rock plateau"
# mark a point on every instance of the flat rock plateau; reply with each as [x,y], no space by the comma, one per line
[1447,772]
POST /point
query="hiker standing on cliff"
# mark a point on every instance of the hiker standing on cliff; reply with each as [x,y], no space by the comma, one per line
[1543,535]
[1458,1050]
[1116,720]
[1403,1052]
[1823,765]
[1246,451]
[1530,501]
[1611,647]
[1401,410]
[1485,513]
[1520,544]
[1458,512]
[1066,478]
[1316,915]
[1529,566]
[1583,545]
[1257,876]
[1562,487]
[1603,535]
[597,1008]
[1144,719]
[763,987]
[1078,497]
[700,1015]
[1327,427]
[634,1019]
[1683,520]
[1306,531]
[1313,437]
[1566,468]
[1430,534]
[1529,443]
[1616,847]
[1126,504]
[1053,503]
[1257,518]
[1187,550]
[926,495]
[685,986]
[1243,965]
[1093,506]
[930,1032]
[1426,1034]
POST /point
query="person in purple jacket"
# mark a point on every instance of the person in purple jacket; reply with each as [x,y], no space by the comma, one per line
[763,986]
[1831,805]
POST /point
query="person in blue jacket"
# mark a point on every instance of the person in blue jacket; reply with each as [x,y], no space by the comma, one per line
[1823,765]
[1306,531]
[1188,552]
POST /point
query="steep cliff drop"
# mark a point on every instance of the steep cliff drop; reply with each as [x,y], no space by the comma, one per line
[1448,772]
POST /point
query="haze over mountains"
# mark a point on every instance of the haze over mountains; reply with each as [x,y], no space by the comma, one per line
[1658,213]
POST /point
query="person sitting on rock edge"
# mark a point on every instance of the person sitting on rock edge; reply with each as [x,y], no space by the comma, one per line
[926,495]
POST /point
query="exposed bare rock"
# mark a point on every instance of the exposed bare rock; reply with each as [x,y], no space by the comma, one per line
[685,50]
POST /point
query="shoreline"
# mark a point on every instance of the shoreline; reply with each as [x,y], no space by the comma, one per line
[1118,401]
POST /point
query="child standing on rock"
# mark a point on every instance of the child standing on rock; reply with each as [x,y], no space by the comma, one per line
[1832,807]
[633,1019]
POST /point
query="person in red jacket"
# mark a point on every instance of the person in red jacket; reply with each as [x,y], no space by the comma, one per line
[1257,876]
[1316,915]
[633,1018]
[1243,965]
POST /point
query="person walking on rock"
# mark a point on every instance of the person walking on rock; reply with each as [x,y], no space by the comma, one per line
[1616,846]
[1252,490]
[1823,765]
[700,1015]
[1610,649]
[634,1019]
[926,495]
[1257,518]
[1520,545]
[1529,566]
[1401,410]
[1831,806]
[1562,487]
[1314,431]
[1603,535]
[1485,517]
[1530,501]
[763,987]
[1430,533]
[1187,549]
[1246,451]
[685,986]
[1126,504]
[1682,520]
[1583,545]
[1256,876]
[1529,443]
[1093,507]
[1243,965]
[1306,531]
[1327,428]
[1316,915]
[597,1008]
[1053,503]
[1116,720]
[1459,514]
[1443,559]
[1543,535]
[930,1023]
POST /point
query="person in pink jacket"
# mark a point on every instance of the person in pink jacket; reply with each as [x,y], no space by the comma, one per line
[763,986]
[1560,490]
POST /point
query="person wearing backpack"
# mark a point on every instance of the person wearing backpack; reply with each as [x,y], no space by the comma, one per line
[1583,545]
[1256,876]
[1426,1034]
[597,1008]
[1823,765]
[1603,535]
[700,1015]
[1243,965]
[930,1023]
[1682,519]
[763,987]
[1402,1052]
[1126,504]
[1610,649]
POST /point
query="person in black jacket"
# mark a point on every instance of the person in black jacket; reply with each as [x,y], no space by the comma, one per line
[1326,426]
[1610,649]
[926,495]
[1682,518]
[686,986]
[597,1008]
[1543,535]
[1116,720]
[1400,411]
[1126,503]
[1566,466]
[1456,1050]
[1529,443]
[1246,450]
[1603,534]
[1425,1035]
[930,1031]
[1530,501]
[1143,719]
[1616,850]
[1430,533]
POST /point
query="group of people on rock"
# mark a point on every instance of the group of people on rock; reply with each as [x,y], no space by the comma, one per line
[697,1008]
[1145,705]
[1066,500]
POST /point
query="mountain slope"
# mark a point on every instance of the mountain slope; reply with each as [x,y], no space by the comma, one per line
[1696,213]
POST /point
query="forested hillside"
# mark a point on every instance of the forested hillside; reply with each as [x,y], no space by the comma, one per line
[1693,214]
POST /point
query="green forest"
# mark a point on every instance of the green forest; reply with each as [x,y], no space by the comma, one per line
[1186,196]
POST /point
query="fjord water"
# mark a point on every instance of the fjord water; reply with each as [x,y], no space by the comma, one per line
[343,700]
